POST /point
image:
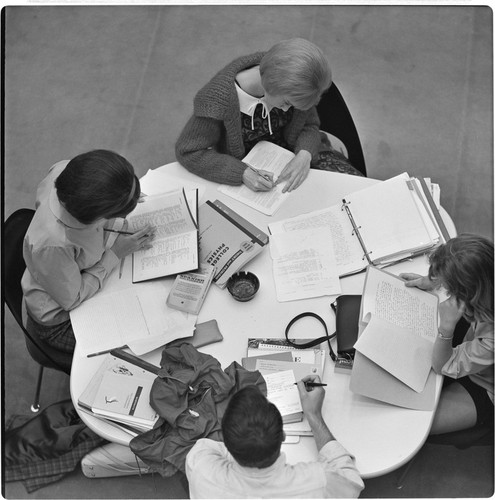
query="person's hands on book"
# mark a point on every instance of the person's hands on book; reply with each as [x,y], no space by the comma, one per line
[126,244]
[418,281]
[296,171]
[258,180]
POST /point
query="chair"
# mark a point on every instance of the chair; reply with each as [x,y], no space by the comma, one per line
[479,435]
[336,119]
[14,229]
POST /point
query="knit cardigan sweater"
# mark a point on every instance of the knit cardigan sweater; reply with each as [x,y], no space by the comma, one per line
[211,143]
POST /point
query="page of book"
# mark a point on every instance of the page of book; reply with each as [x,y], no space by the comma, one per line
[387,297]
[389,220]
[271,158]
[175,246]
[403,354]
[304,264]
[282,392]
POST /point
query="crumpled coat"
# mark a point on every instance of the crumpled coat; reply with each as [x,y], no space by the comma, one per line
[190,393]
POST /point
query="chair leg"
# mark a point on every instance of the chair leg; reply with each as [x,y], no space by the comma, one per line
[35,407]
[402,479]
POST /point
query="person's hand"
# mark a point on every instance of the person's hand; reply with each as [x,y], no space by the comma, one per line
[450,311]
[311,397]
[418,281]
[256,181]
[296,171]
[126,244]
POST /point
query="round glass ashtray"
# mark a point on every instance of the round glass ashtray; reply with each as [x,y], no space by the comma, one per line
[243,286]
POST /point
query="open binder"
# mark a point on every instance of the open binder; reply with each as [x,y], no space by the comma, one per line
[379,225]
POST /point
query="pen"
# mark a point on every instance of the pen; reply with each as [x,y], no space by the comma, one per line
[313,384]
[260,174]
[121,267]
[106,351]
[115,231]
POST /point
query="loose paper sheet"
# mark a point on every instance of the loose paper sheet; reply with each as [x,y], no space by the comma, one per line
[304,264]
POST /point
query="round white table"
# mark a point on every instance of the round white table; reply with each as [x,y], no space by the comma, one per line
[382,437]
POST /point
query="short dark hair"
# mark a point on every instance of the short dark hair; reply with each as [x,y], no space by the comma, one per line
[464,266]
[252,428]
[98,184]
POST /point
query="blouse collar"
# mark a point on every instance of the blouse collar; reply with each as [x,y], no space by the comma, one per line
[248,105]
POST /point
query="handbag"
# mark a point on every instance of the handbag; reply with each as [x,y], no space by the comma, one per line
[346,309]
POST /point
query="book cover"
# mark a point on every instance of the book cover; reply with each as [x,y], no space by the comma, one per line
[227,240]
[125,398]
[175,246]
[189,289]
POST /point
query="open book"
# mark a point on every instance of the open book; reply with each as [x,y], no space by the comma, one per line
[175,247]
[398,327]
[378,225]
[271,158]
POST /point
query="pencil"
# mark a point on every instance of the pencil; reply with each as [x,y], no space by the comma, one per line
[106,351]
[115,231]
[260,174]
[313,384]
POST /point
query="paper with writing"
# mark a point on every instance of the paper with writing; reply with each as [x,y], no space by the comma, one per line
[304,264]
[282,392]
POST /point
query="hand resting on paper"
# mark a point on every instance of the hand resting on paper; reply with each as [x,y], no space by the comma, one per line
[260,180]
[126,244]
[296,171]
[312,402]
[418,281]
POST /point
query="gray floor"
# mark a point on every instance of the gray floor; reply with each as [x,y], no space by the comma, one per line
[418,81]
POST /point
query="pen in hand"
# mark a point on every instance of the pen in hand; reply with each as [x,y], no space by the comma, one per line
[313,384]
[115,231]
[260,174]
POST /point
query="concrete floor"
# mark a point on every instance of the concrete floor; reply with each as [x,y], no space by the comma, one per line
[417,79]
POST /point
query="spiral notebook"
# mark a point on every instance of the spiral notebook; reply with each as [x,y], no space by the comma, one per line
[379,225]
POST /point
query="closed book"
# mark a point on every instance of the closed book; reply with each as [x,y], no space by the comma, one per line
[125,399]
[227,240]
[189,289]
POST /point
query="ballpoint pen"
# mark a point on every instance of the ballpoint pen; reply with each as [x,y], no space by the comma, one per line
[313,384]
[260,174]
[115,231]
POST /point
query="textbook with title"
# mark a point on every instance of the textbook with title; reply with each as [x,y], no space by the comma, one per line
[227,240]
[378,225]
[175,245]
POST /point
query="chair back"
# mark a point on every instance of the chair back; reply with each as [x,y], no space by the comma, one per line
[336,119]
[14,230]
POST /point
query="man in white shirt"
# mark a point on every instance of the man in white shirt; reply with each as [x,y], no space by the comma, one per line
[249,463]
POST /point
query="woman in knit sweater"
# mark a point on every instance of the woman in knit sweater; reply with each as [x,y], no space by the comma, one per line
[264,96]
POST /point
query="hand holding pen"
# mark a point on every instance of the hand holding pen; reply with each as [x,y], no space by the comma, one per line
[312,396]
[128,242]
[258,180]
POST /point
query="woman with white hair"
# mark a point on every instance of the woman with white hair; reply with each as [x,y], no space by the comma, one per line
[267,96]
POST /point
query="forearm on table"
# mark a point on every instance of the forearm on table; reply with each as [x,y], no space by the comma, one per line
[320,430]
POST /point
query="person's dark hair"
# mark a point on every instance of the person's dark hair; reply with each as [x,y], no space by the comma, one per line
[464,266]
[98,184]
[252,428]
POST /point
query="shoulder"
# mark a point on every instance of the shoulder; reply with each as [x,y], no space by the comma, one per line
[206,449]
[218,96]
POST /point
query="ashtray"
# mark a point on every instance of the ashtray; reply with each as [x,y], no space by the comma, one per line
[243,286]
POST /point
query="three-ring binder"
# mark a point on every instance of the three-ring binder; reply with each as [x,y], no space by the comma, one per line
[355,231]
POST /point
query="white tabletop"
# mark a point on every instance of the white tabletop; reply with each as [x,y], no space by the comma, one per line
[382,437]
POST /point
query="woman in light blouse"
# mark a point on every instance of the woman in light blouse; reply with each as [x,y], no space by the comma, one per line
[464,267]
[64,249]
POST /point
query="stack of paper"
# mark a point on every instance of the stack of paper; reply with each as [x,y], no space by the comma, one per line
[282,391]
[119,392]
